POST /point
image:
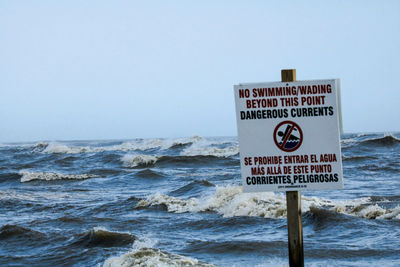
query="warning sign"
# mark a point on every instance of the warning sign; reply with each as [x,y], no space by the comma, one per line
[289,135]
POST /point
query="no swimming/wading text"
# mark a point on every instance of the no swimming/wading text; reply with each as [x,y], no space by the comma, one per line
[289,96]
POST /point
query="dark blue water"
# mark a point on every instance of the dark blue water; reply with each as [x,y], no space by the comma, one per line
[178,202]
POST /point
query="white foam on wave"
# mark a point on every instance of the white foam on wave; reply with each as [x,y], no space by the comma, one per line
[207,148]
[368,211]
[144,255]
[137,145]
[163,144]
[229,201]
[101,229]
[168,143]
[348,142]
[390,134]
[173,204]
[54,147]
[141,145]
[51,176]
[131,160]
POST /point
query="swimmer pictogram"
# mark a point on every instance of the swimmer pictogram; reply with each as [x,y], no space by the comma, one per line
[288,136]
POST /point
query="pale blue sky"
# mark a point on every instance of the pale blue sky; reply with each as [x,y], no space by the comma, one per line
[129,69]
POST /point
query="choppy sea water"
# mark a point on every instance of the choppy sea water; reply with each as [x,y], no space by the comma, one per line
[178,202]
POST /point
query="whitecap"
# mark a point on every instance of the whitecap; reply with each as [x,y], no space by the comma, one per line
[229,201]
[206,148]
[173,204]
[143,254]
[131,160]
[51,176]
[363,208]
[140,145]
[54,147]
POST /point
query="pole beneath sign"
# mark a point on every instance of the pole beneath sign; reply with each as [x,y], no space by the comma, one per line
[293,204]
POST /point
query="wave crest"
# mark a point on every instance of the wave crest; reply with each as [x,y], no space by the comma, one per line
[387,140]
[14,231]
[211,151]
[140,145]
[143,254]
[173,204]
[28,176]
[230,202]
[358,158]
[101,237]
[153,257]
[57,148]
[227,201]
[369,211]
[138,160]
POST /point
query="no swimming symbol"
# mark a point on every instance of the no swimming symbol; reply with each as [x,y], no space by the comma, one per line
[288,136]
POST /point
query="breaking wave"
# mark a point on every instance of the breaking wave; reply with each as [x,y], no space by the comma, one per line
[183,142]
[28,176]
[138,160]
[227,201]
[205,150]
[140,145]
[368,211]
[61,148]
[143,255]
[230,201]
[153,257]
[348,141]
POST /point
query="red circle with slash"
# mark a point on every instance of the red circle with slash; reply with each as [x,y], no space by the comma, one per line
[288,136]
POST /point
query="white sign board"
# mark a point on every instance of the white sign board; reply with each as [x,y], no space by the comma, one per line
[289,136]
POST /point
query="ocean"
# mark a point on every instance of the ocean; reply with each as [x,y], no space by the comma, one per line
[179,202]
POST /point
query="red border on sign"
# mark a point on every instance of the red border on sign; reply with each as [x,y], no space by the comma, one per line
[291,129]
